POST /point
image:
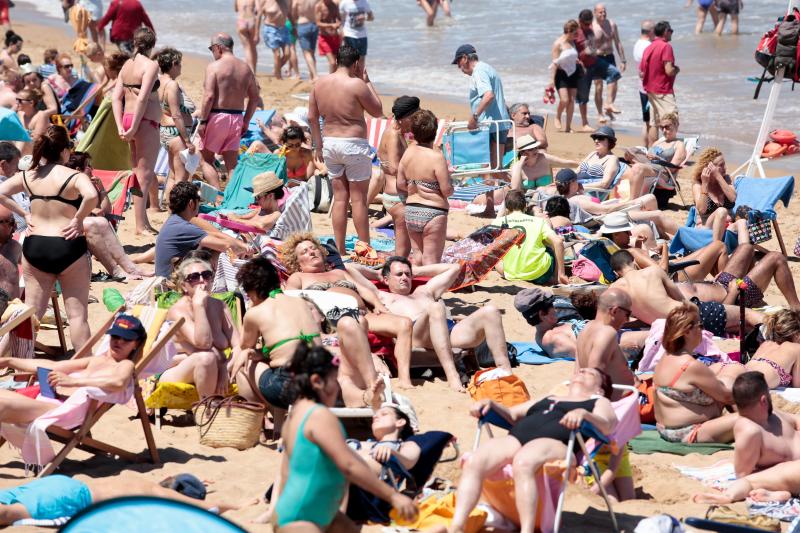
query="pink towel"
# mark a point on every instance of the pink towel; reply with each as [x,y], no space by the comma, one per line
[628,421]
[653,349]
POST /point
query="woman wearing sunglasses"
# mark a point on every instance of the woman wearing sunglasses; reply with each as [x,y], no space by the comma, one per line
[34,121]
[207,331]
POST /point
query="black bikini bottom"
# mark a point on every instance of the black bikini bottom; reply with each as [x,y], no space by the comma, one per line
[53,255]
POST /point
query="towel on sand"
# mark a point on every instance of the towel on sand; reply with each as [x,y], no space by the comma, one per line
[651,442]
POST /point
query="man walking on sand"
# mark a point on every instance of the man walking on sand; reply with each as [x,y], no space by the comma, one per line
[329,22]
[658,71]
[606,37]
[341,99]
[304,18]
[647,34]
[274,32]
[223,117]
[587,55]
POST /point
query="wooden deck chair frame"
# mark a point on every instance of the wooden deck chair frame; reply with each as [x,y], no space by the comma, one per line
[62,348]
[80,437]
[9,326]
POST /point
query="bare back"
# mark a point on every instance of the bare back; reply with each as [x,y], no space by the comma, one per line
[277,319]
[648,295]
[133,74]
[340,101]
[50,216]
[598,348]
[305,10]
[425,171]
[231,79]
[391,150]
[785,354]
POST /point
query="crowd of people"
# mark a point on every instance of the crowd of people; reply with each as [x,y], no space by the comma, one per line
[321,329]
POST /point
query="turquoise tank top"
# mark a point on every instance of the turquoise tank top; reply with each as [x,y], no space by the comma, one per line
[315,486]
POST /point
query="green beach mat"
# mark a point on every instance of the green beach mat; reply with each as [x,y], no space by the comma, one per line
[651,442]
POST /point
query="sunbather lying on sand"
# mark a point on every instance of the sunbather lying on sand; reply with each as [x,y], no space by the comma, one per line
[60,496]
[777,483]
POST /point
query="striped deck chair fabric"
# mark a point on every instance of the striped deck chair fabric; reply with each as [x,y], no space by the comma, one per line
[470,192]
[296,216]
[17,322]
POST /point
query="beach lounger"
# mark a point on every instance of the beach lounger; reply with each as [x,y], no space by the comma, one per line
[236,194]
[17,324]
[72,421]
[604,194]
[118,189]
[467,151]
[253,132]
[763,194]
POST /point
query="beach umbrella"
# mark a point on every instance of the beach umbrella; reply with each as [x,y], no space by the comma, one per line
[11,128]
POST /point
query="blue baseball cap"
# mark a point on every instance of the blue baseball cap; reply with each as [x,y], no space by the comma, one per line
[464,50]
[189,486]
[127,327]
[566,175]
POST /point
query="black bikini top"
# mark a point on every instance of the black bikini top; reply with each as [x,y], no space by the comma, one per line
[76,203]
[156,85]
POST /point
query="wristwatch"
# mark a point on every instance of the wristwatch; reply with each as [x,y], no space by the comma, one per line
[475,116]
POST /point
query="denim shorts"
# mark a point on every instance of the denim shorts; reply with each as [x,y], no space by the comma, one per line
[307,34]
[275,37]
[359,44]
[272,384]
[605,70]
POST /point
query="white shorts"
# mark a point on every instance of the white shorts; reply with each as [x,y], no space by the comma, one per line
[347,156]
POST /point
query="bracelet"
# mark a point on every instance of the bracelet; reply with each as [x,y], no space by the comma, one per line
[364,398]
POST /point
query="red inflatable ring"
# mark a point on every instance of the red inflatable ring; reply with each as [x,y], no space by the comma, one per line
[783,136]
[773,150]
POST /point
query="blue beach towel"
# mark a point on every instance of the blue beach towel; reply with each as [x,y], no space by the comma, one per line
[530,353]
[253,132]
[763,193]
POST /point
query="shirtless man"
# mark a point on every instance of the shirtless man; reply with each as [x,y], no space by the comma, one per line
[304,18]
[526,124]
[598,346]
[329,22]
[392,147]
[606,36]
[10,254]
[432,329]
[654,295]
[763,437]
[341,99]
[223,118]
[267,191]
[8,92]
[274,33]
[248,21]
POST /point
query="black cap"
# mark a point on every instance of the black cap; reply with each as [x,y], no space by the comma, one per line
[405,106]
[189,486]
[464,50]
[604,132]
[565,175]
[127,327]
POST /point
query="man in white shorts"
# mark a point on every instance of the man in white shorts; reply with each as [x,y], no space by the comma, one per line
[341,99]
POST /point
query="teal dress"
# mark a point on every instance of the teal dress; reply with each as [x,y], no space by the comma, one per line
[314,488]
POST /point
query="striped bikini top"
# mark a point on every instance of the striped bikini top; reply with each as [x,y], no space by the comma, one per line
[595,170]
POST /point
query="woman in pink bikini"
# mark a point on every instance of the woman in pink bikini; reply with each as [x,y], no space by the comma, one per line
[137,111]
[778,358]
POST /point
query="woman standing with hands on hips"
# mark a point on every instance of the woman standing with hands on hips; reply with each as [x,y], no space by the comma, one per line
[137,111]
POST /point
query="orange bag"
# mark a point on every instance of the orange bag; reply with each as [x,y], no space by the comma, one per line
[438,511]
[505,390]
[647,409]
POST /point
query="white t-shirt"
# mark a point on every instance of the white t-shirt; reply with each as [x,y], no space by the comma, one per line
[638,52]
[354,17]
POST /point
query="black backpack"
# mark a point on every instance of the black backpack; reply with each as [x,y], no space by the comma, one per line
[778,50]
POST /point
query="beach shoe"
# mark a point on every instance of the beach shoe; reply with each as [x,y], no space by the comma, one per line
[725,514]
[365,254]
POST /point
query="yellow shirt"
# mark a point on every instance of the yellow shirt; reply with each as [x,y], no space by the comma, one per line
[529,260]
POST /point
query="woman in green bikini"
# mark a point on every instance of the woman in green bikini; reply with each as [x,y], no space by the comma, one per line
[318,464]
[533,167]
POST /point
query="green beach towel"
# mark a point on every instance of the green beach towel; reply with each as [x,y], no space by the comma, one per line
[651,442]
[102,141]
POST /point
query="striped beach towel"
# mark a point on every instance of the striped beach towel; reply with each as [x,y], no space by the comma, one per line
[470,192]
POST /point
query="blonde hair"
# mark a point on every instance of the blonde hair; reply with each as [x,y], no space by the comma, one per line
[706,156]
[782,326]
[670,117]
[179,273]
[289,255]
[680,321]
[92,49]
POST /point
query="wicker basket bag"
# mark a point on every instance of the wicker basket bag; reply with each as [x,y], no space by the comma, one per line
[228,422]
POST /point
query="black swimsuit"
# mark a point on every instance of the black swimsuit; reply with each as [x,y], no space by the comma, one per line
[53,255]
[543,420]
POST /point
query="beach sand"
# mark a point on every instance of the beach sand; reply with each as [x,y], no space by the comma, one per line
[238,475]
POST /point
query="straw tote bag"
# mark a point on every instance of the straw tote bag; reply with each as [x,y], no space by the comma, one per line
[228,422]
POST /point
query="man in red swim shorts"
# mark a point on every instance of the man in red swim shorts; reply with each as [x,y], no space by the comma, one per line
[329,22]
[229,82]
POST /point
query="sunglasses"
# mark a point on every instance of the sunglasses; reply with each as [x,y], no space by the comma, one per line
[9,222]
[195,277]
[211,47]
[118,338]
[24,100]
[69,65]
[625,310]
[294,145]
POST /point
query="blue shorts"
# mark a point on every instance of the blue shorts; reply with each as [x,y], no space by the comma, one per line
[272,384]
[547,277]
[605,70]
[359,44]
[584,86]
[307,34]
[275,37]
[50,497]
[645,101]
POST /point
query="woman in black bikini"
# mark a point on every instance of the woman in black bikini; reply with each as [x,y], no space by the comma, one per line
[540,434]
[55,249]
[137,111]
[714,195]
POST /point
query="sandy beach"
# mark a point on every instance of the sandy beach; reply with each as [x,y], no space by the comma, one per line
[238,475]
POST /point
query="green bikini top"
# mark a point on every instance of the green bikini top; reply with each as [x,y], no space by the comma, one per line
[266,350]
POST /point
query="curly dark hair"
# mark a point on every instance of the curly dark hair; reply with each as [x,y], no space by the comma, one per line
[557,206]
[79,161]
[260,276]
[167,58]
[181,194]
[307,361]
[292,133]
[423,126]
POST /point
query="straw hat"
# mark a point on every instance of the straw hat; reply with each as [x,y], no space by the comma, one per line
[526,142]
[616,223]
[266,182]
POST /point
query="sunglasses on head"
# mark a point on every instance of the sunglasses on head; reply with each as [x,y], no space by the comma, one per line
[195,277]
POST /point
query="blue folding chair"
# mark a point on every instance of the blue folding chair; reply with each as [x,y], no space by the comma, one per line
[762,194]
[468,151]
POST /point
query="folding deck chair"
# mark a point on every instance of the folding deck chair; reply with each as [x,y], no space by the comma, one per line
[468,151]
[763,194]
[19,327]
[79,437]
[118,187]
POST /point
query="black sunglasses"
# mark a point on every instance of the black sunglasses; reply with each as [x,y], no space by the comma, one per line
[194,277]
[70,65]
[23,100]
[9,221]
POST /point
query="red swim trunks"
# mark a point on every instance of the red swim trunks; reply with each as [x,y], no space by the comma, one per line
[223,132]
[328,44]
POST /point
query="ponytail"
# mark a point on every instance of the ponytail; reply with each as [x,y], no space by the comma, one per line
[49,146]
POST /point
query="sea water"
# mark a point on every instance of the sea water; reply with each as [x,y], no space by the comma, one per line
[714,94]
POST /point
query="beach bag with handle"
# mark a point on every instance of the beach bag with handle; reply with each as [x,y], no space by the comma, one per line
[320,192]
[758,224]
[228,422]
[778,49]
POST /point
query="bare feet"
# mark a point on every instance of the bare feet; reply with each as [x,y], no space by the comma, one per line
[455,383]
[557,123]
[148,230]
[764,495]
[612,109]
[405,384]
[711,497]
[602,120]
[374,395]
[587,129]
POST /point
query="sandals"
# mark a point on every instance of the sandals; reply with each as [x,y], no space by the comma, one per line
[105,276]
